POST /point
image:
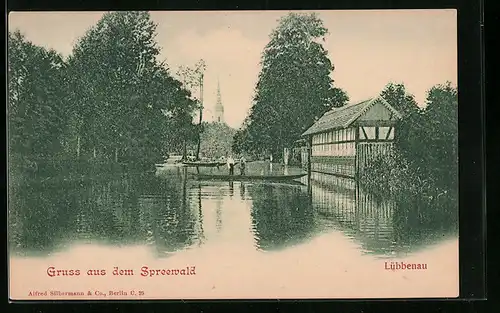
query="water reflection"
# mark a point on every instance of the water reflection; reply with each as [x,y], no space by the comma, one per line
[382,225]
[124,210]
[218,212]
[242,191]
[201,233]
[170,213]
[360,215]
[281,215]
[231,189]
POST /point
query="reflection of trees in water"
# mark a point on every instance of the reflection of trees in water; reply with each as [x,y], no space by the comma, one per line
[100,205]
[281,215]
[381,224]
[201,239]
[167,221]
[126,209]
[39,216]
[48,215]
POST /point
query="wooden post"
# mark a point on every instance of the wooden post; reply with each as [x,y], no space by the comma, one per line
[201,118]
[356,153]
[184,150]
[309,152]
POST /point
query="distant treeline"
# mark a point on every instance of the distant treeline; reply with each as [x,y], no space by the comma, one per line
[216,140]
[110,100]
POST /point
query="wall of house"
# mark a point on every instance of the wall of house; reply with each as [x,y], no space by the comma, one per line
[333,152]
[334,143]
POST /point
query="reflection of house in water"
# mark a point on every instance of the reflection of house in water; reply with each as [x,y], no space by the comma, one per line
[338,148]
[345,139]
[360,214]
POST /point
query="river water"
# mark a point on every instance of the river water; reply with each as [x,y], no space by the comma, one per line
[325,239]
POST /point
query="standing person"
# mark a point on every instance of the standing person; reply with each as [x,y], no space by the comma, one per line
[230,165]
[242,165]
[271,163]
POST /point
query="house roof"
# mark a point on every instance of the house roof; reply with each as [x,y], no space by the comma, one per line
[342,117]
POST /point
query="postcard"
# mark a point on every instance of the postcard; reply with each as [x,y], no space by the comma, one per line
[233,155]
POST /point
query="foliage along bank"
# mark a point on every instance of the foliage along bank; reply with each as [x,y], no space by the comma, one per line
[425,159]
[111,100]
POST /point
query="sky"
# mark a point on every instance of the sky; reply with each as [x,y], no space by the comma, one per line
[369,49]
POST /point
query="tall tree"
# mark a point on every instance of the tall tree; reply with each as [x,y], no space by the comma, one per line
[441,133]
[295,85]
[408,138]
[180,129]
[124,98]
[397,96]
[193,79]
[36,100]
[426,139]
[109,64]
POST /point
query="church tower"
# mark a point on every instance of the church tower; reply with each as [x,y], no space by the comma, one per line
[219,108]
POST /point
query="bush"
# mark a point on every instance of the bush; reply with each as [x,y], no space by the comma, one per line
[395,175]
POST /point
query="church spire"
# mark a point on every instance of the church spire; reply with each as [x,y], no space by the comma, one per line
[219,108]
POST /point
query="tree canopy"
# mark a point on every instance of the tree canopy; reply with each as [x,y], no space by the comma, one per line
[192,78]
[441,130]
[426,141]
[408,129]
[124,97]
[397,96]
[294,87]
[216,140]
[111,100]
[37,88]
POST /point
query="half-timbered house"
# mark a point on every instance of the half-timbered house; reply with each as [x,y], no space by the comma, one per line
[344,140]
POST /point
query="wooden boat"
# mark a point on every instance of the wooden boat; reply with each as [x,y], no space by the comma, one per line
[205,164]
[169,165]
[274,178]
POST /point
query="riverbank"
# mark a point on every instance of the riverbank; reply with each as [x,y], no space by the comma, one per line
[54,172]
